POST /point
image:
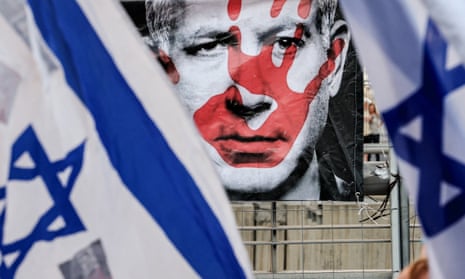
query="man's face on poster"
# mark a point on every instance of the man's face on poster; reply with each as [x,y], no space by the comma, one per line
[256,78]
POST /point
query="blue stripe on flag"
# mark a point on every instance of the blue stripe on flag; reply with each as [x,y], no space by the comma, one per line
[134,144]
[427,103]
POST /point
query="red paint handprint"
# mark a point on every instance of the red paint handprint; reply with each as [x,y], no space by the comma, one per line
[224,121]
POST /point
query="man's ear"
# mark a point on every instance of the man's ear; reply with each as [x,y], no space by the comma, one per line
[168,66]
[338,52]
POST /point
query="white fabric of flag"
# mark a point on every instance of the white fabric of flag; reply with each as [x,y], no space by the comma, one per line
[102,175]
[414,53]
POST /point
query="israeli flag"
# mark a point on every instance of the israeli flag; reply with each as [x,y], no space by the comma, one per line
[414,53]
[102,175]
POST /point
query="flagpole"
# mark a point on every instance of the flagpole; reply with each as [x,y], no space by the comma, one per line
[399,221]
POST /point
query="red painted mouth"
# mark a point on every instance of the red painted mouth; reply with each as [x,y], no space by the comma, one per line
[251,151]
[238,144]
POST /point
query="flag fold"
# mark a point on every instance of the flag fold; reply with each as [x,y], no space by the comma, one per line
[102,174]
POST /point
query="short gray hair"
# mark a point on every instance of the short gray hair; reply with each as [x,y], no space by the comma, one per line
[163,18]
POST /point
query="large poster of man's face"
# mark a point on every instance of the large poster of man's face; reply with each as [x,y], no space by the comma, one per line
[273,88]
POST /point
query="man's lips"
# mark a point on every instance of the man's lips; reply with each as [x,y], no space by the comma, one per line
[256,149]
[253,138]
[250,144]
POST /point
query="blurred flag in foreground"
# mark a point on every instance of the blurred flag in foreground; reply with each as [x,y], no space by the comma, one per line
[409,51]
[101,173]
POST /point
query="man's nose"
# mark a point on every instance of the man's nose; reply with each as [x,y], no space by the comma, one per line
[247,62]
[247,111]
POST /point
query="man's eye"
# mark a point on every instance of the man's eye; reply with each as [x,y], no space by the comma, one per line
[286,42]
[212,48]
[203,48]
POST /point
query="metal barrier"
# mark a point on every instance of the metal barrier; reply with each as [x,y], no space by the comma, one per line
[315,239]
[292,244]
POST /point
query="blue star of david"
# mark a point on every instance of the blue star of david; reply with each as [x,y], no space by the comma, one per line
[434,166]
[60,194]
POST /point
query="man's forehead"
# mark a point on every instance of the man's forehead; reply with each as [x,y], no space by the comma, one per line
[235,10]
[204,15]
[247,2]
